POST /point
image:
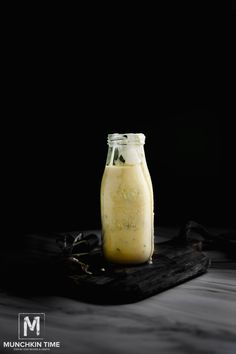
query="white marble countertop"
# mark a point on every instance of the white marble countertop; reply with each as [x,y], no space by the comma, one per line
[196,317]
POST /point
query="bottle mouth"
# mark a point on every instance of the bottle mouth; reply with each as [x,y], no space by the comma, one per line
[125,139]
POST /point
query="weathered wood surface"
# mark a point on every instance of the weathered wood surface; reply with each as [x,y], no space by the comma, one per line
[38,268]
[172,265]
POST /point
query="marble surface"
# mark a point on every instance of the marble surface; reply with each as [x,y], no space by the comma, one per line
[196,317]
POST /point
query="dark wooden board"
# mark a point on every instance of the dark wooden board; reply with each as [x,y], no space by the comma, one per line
[36,267]
[173,263]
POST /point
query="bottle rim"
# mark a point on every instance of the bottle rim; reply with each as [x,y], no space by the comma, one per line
[126,139]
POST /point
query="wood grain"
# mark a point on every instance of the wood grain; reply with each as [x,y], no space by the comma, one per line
[173,263]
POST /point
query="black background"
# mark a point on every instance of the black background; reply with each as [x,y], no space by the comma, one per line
[58,169]
[161,74]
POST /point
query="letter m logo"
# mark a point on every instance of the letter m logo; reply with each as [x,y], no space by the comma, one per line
[31,325]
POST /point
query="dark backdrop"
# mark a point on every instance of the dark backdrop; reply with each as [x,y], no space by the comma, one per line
[160,74]
[58,168]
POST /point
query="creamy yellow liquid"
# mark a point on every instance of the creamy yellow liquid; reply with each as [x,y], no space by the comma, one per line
[127,214]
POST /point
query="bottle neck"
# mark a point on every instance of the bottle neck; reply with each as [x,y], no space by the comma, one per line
[121,154]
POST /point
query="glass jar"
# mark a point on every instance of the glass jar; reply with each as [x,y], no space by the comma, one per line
[127,202]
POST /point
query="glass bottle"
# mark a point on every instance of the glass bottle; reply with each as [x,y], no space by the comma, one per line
[127,202]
